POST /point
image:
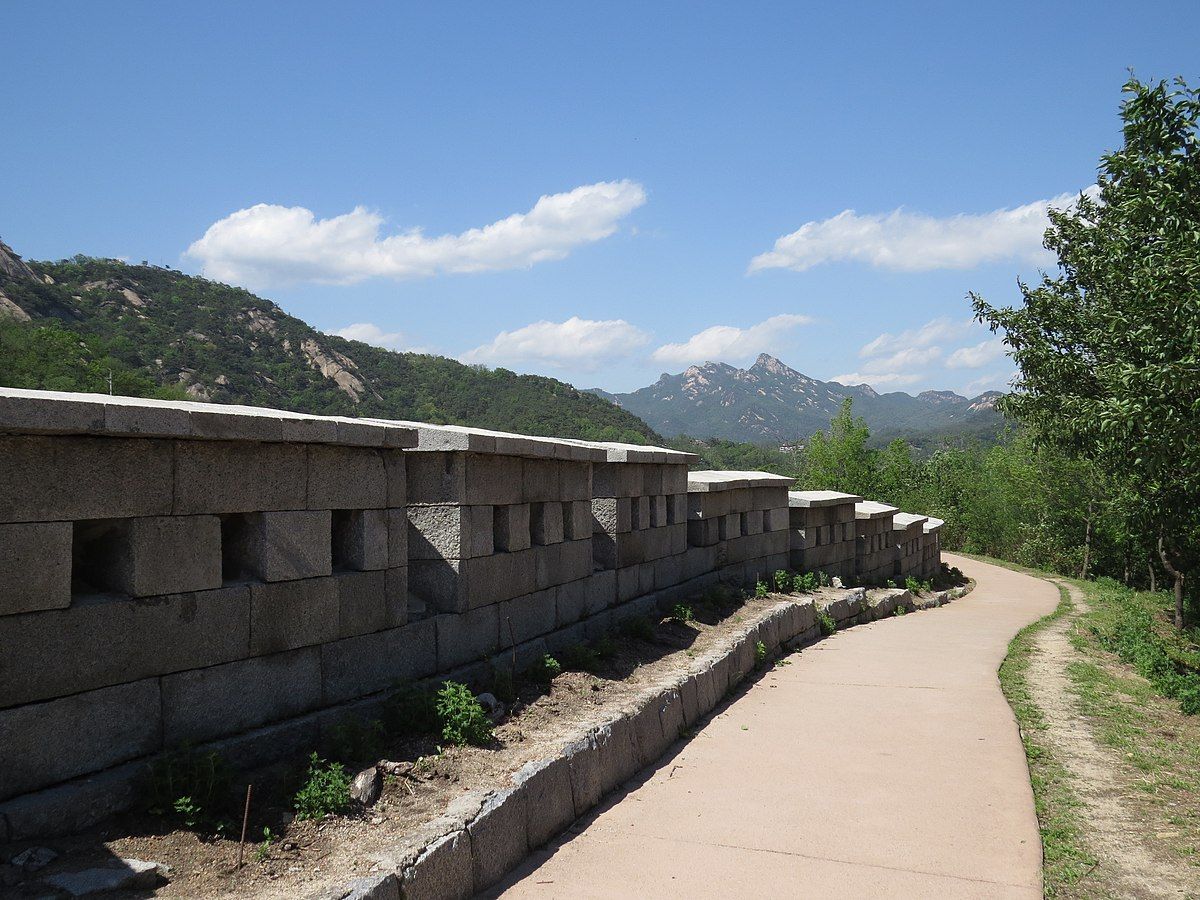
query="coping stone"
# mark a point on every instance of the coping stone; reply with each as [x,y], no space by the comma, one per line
[443,871]
[499,837]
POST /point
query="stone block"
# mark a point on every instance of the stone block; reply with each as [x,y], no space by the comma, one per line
[289,614]
[602,591]
[499,837]
[583,764]
[549,804]
[361,541]
[616,480]
[627,583]
[365,604]
[525,618]
[75,806]
[435,477]
[395,470]
[110,642]
[775,519]
[546,523]
[677,509]
[42,744]
[671,715]
[752,522]
[674,479]
[466,637]
[510,528]
[668,572]
[449,532]
[380,886]
[397,526]
[232,477]
[604,551]
[730,526]
[541,480]
[571,603]
[707,504]
[35,567]
[647,728]
[577,520]
[612,515]
[640,512]
[575,481]
[652,482]
[346,478]
[493,479]
[57,478]
[144,557]
[277,546]
[443,871]
[658,511]
[202,704]
[617,756]
[357,666]
[575,561]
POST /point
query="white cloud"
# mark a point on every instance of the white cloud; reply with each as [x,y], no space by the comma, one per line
[942,329]
[268,244]
[908,358]
[877,380]
[729,343]
[370,333]
[997,381]
[913,242]
[976,356]
[580,343]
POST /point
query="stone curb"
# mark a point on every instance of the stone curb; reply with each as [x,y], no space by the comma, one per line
[468,854]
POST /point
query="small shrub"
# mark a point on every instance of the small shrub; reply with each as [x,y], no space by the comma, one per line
[823,579]
[804,584]
[826,622]
[682,613]
[579,658]
[783,581]
[545,670]
[326,790]
[410,711]
[191,786]
[912,585]
[639,627]
[354,740]
[462,716]
[760,653]
[264,849]
[760,589]
[890,583]
[901,611]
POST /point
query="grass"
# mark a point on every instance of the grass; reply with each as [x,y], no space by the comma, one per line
[1065,858]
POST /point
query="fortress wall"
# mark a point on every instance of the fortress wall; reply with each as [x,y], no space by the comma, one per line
[823,529]
[239,579]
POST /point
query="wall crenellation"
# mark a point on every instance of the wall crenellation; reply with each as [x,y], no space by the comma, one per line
[236,578]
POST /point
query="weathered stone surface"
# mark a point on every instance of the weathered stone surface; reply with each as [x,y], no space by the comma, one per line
[120,875]
[546,523]
[364,604]
[42,744]
[201,704]
[57,478]
[380,886]
[290,614]
[527,617]
[397,525]
[466,637]
[231,477]
[395,469]
[449,531]
[346,478]
[587,779]
[367,786]
[361,541]
[114,641]
[444,871]
[35,567]
[357,666]
[499,837]
[278,546]
[72,807]
[548,800]
[149,556]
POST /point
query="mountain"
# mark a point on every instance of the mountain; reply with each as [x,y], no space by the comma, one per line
[74,324]
[772,403]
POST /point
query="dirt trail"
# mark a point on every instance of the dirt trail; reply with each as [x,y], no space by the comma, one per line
[1113,821]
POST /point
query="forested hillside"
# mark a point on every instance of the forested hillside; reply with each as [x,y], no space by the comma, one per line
[67,323]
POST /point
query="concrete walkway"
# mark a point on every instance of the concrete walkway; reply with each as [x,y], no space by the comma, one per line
[882,762]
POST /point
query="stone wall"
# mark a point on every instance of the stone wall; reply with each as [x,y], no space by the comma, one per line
[907,535]
[824,536]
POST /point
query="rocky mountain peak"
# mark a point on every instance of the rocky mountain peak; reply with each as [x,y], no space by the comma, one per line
[13,266]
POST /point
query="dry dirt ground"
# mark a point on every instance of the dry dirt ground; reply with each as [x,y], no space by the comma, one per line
[305,857]
[1136,829]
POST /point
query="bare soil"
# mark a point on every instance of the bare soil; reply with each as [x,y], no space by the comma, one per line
[305,857]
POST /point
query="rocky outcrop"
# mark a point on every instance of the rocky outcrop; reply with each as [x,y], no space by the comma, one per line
[336,367]
[10,310]
[13,266]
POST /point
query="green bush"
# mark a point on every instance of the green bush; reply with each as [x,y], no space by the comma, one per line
[545,670]
[760,589]
[826,622]
[912,585]
[823,579]
[682,613]
[410,711]
[462,717]
[760,653]
[193,787]
[804,584]
[783,581]
[325,790]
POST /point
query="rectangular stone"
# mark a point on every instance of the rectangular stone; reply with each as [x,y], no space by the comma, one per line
[203,704]
[368,663]
[674,479]
[466,637]
[365,604]
[510,528]
[148,556]
[361,540]
[575,481]
[44,743]
[277,546]
[57,478]
[602,590]
[604,551]
[346,478]
[35,567]
[493,479]
[703,532]
[113,641]
[775,519]
[527,617]
[435,477]
[290,614]
[397,526]
[395,468]
[233,477]
[546,523]
[616,480]
[612,515]
[752,522]
[541,480]
[449,531]
[676,509]
[577,520]
[640,513]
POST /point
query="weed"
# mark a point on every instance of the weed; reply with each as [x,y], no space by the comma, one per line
[682,613]
[912,585]
[783,582]
[325,790]
[760,653]
[890,583]
[901,611]
[823,579]
[462,717]
[640,628]
[804,584]
[503,686]
[409,711]
[264,849]
[579,658]
[760,589]
[191,786]
[827,623]
[353,740]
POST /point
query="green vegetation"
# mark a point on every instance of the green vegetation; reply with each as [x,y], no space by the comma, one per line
[462,717]
[192,787]
[826,622]
[682,613]
[783,581]
[325,790]
[760,653]
[761,589]
[804,584]
[638,627]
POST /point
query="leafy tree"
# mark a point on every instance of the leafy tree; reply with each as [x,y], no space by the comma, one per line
[840,459]
[1109,348]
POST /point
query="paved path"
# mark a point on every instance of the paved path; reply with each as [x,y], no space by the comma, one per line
[883,762]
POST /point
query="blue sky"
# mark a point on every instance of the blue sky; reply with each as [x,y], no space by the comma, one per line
[665,182]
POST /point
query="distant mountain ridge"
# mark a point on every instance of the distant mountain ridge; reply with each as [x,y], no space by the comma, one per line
[770,402]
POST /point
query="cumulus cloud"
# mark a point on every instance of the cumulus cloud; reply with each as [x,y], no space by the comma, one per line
[370,333]
[729,343]
[976,356]
[269,244]
[579,343]
[941,329]
[877,380]
[997,381]
[913,242]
